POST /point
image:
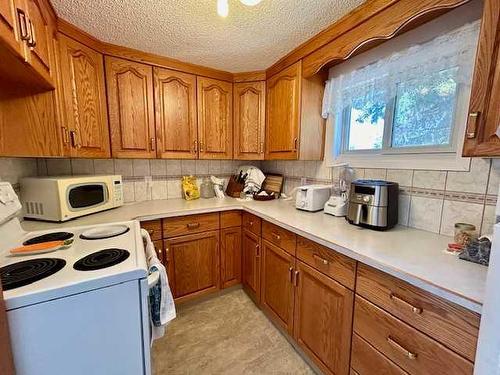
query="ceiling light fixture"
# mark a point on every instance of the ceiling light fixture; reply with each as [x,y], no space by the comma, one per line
[223,6]
[250,3]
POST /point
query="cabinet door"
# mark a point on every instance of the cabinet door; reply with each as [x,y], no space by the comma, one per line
[249,120]
[230,256]
[277,284]
[9,29]
[323,319]
[215,113]
[131,109]
[195,264]
[283,113]
[175,105]
[40,40]
[251,265]
[84,96]
[481,137]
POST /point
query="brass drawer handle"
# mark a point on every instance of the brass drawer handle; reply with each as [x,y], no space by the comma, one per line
[400,348]
[414,309]
[320,259]
[276,236]
[23,26]
[193,225]
[250,223]
[32,39]
[290,271]
[296,278]
[257,250]
[151,231]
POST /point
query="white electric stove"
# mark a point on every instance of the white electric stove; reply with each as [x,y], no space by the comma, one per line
[82,309]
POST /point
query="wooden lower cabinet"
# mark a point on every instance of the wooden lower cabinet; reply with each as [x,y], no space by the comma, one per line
[230,256]
[323,319]
[278,277]
[250,270]
[194,260]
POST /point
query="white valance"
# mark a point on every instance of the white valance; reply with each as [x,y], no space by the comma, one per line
[379,80]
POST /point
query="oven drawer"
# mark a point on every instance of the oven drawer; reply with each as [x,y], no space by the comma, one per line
[327,261]
[450,324]
[410,349]
[280,237]
[180,226]
[252,223]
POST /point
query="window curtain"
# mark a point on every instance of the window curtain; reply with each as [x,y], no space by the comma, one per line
[379,80]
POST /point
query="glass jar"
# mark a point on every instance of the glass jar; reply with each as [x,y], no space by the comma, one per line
[464,233]
[207,188]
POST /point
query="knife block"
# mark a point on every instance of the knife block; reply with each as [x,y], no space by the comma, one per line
[234,188]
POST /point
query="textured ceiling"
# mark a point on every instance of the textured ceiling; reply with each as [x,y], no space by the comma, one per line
[250,38]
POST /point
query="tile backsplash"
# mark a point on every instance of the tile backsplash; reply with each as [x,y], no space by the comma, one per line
[143,179]
[429,200]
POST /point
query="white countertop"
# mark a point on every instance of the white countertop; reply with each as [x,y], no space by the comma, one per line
[415,256]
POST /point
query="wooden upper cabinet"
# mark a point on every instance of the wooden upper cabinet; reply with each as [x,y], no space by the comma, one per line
[215,113]
[283,113]
[131,108]
[40,40]
[295,128]
[85,120]
[175,106]
[323,319]
[484,111]
[249,120]
[9,30]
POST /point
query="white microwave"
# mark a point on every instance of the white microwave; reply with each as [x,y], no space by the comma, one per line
[67,197]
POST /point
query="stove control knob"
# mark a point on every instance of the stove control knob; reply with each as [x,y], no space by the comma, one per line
[366,198]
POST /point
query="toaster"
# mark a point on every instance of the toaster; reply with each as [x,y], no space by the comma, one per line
[312,197]
[373,204]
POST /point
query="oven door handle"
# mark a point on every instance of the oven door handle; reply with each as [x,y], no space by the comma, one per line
[153,279]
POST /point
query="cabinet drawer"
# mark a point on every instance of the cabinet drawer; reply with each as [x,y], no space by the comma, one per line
[279,237]
[230,219]
[327,261]
[179,226]
[154,229]
[452,325]
[408,348]
[365,358]
[252,223]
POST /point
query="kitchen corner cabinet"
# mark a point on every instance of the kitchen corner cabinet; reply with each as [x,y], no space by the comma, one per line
[83,100]
[195,264]
[215,114]
[251,252]
[323,319]
[131,108]
[249,102]
[295,128]
[278,280]
[481,137]
[176,122]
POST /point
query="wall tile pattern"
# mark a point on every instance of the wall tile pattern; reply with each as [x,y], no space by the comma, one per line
[429,200]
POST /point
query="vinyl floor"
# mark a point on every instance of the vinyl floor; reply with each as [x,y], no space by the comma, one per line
[227,334]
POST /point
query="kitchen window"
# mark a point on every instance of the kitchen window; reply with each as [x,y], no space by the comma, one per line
[407,109]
